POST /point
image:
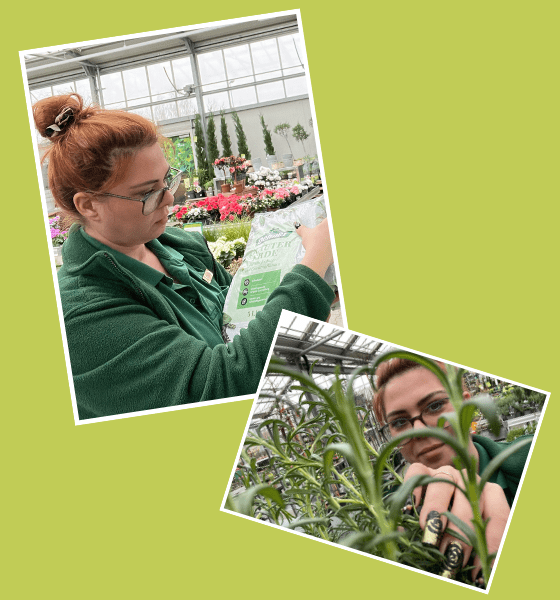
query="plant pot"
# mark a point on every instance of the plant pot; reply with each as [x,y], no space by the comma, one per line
[226,187]
[257,163]
[57,255]
[288,159]
[238,187]
[191,195]
[201,194]
[270,159]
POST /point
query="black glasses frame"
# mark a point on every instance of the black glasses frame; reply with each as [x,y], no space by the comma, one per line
[387,431]
[173,185]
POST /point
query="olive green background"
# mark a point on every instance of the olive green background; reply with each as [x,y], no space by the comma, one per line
[439,130]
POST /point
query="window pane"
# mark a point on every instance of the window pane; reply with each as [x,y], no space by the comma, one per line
[41,93]
[159,83]
[138,101]
[165,111]
[167,96]
[215,102]
[241,81]
[64,88]
[136,83]
[288,53]
[296,86]
[183,72]
[238,64]
[244,96]
[116,105]
[112,88]
[83,88]
[143,112]
[293,71]
[211,65]
[265,56]
[270,91]
[213,86]
[186,107]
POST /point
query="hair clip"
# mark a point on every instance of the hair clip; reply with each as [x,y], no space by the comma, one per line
[66,117]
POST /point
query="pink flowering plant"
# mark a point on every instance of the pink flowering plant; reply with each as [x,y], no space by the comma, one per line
[58,235]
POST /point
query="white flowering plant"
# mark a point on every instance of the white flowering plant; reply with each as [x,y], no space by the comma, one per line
[225,251]
[196,213]
[265,178]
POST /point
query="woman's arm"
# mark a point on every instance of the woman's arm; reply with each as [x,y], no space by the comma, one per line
[126,358]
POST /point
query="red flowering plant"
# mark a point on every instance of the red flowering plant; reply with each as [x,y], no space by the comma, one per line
[211,205]
[177,215]
[231,207]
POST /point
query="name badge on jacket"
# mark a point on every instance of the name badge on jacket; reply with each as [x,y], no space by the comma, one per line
[208,276]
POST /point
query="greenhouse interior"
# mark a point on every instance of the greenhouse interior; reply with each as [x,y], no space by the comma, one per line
[232,104]
[315,458]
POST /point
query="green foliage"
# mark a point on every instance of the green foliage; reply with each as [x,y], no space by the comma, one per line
[240,227]
[242,148]
[300,134]
[514,434]
[519,400]
[283,129]
[200,147]
[268,146]
[213,151]
[226,140]
[332,484]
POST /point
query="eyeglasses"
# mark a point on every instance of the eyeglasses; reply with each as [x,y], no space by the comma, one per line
[429,416]
[152,199]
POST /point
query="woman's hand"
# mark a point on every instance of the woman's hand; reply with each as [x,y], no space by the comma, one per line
[317,243]
[438,496]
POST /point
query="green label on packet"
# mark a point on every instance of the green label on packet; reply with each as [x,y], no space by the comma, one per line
[255,289]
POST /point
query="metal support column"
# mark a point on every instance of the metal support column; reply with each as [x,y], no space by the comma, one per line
[198,92]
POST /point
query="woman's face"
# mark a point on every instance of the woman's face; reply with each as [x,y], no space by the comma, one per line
[120,222]
[407,395]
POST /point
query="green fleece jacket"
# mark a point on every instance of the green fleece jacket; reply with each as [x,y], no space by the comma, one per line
[510,471]
[130,350]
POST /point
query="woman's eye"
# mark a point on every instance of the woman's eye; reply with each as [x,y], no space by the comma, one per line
[436,406]
[398,423]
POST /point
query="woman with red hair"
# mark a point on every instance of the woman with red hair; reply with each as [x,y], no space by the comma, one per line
[410,396]
[143,303]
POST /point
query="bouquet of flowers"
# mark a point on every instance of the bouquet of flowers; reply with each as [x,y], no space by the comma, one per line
[58,236]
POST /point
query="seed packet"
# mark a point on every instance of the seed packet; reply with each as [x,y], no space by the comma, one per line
[273,248]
